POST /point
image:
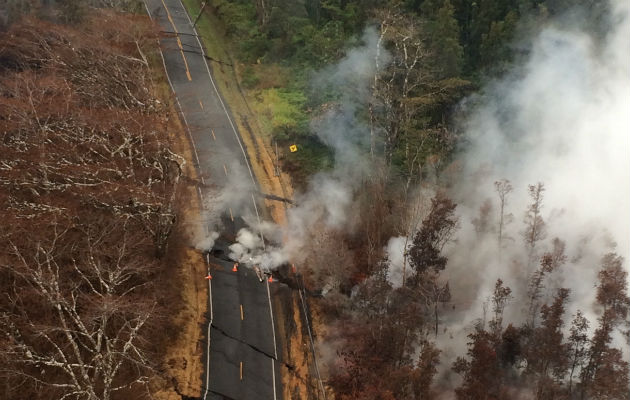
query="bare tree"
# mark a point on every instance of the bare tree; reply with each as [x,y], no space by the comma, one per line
[393,87]
[535,229]
[605,373]
[578,345]
[547,358]
[88,187]
[503,188]
[482,223]
[548,263]
[436,230]
[89,343]
[500,297]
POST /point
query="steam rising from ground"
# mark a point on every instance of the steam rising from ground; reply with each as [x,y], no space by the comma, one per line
[330,194]
[562,119]
[395,253]
[234,196]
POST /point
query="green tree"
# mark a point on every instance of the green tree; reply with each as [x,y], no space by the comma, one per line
[495,50]
[443,31]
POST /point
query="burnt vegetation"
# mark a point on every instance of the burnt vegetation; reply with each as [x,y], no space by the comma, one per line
[386,336]
[88,200]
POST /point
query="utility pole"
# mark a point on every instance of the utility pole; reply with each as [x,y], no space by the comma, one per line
[203,5]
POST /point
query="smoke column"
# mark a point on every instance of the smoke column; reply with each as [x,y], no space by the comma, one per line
[562,118]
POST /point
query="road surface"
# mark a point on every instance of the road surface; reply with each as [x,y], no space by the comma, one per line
[241,350]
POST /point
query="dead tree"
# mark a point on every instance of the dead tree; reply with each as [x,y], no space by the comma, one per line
[535,229]
[88,185]
[503,188]
[89,342]
[396,83]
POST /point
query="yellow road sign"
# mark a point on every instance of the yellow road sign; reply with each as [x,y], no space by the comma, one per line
[293,148]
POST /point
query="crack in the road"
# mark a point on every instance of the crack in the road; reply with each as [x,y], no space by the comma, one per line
[180,394]
[243,342]
[286,365]
[178,33]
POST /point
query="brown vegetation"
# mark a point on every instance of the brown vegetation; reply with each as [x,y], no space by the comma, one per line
[88,203]
[385,336]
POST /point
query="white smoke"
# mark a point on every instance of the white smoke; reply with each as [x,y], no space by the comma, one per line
[205,242]
[395,252]
[250,250]
[328,198]
[563,119]
[234,196]
[340,128]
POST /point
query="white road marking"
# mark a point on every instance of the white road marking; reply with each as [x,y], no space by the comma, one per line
[208,331]
[207,363]
[273,329]
[273,374]
[214,86]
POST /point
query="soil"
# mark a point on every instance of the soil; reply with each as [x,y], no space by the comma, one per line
[299,380]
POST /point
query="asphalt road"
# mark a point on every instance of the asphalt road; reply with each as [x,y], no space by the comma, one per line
[241,350]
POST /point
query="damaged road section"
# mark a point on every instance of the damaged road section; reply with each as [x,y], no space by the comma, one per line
[242,344]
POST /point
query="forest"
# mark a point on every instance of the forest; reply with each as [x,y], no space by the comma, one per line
[441,51]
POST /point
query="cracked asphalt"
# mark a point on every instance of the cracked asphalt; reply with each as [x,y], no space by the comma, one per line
[241,351]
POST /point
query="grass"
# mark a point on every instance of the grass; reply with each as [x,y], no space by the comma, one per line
[282,112]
